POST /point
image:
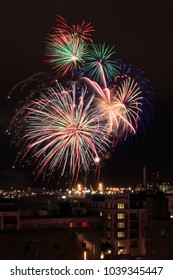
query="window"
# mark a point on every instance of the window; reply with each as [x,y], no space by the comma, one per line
[120,216]
[134,225]
[9,220]
[133,244]
[120,205]
[121,244]
[109,205]
[109,216]
[162,233]
[121,225]
[133,216]
[134,234]
[120,234]
[109,224]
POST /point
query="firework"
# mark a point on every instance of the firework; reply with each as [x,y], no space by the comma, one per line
[83,31]
[61,130]
[98,59]
[71,128]
[146,95]
[119,108]
[129,103]
[65,55]
[67,45]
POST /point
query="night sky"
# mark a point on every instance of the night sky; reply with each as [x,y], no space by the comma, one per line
[142,34]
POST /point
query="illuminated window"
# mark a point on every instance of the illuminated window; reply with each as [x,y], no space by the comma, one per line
[120,205]
[120,234]
[121,244]
[120,216]
[121,225]
[101,214]
[109,216]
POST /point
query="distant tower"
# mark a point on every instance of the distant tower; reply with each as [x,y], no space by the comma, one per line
[144,177]
[157,176]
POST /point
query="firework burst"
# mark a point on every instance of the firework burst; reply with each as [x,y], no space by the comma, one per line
[65,55]
[98,59]
[67,45]
[83,31]
[61,131]
[119,108]
[146,95]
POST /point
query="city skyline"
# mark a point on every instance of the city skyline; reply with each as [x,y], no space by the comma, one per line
[141,35]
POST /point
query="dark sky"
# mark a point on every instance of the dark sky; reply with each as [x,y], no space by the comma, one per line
[142,34]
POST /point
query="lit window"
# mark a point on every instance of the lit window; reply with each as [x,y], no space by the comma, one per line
[120,216]
[121,244]
[109,216]
[121,225]
[120,234]
[120,205]
[101,214]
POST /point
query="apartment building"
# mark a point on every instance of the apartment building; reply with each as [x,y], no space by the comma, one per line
[123,224]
